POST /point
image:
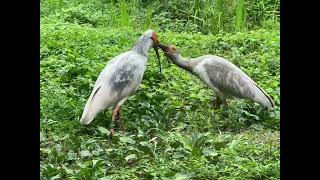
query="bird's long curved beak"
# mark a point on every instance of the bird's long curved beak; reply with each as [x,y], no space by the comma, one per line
[164,49]
[158,56]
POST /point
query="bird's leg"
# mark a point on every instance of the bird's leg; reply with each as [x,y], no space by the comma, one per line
[116,117]
[225,104]
[217,102]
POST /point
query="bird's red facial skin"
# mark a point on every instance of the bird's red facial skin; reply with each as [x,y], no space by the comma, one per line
[154,38]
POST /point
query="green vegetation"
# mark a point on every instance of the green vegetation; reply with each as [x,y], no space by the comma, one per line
[171,132]
[206,16]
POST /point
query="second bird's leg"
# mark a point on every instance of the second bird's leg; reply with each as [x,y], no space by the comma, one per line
[225,104]
[216,103]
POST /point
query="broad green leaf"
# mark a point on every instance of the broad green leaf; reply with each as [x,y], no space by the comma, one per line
[85,153]
[131,157]
[107,178]
[104,130]
[183,176]
[127,140]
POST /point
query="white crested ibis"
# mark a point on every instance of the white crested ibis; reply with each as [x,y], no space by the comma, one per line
[119,79]
[225,78]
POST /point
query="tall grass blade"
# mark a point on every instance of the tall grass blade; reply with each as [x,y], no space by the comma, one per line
[239,17]
[124,17]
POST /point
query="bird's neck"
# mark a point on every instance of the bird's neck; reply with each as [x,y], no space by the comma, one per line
[142,46]
[182,62]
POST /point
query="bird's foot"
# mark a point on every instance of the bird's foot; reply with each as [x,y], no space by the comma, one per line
[225,106]
[118,124]
[115,126]
[112,131]
[216,103]
[216,106]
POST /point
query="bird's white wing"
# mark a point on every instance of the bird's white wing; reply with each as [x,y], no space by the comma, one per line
[121,77]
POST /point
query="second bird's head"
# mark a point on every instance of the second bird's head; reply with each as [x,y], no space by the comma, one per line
[170,51]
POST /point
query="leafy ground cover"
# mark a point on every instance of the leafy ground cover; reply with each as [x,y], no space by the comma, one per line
[171,132]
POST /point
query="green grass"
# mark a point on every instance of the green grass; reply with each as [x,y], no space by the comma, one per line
[206,16]
[171,132]
[240,15]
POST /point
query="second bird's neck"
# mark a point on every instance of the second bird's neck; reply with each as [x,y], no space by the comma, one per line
[182,62]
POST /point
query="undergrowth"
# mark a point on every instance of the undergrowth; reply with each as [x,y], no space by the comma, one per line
[171,131]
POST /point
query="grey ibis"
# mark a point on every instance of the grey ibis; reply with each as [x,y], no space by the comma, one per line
[119,79]
[225,78]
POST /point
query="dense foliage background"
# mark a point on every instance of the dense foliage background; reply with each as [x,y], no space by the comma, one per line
[171,132]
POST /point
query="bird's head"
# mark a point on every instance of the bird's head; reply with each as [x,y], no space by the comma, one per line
[151,34]
[169,50]
[154,37]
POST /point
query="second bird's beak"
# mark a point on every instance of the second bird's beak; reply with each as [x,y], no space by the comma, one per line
[155,47]
[164,49]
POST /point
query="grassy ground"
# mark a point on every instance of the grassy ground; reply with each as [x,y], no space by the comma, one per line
[170,130]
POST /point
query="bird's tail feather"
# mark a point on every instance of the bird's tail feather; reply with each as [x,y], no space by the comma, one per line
[87,118]
[263,98]
[87,115]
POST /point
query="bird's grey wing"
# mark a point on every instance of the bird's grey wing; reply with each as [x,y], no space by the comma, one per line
[232,81]
[260,95]
[127,77]
[118,80]
[100,89]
